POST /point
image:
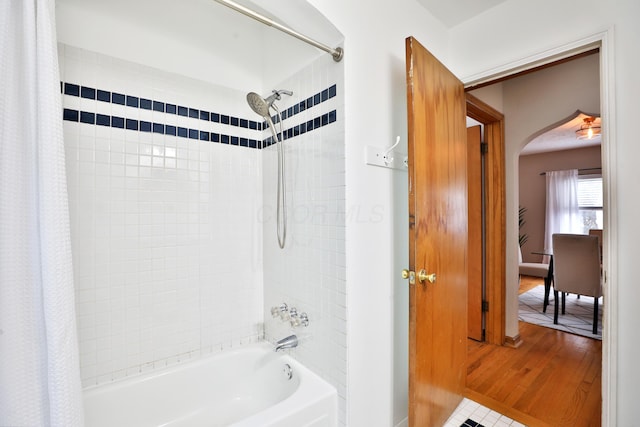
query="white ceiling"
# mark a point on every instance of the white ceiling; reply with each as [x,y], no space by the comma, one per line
[453,12]
[562,137]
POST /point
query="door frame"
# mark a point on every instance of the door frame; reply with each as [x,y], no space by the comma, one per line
[495,215]
[604,41]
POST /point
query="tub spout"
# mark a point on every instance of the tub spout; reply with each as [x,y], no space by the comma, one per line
[288,342]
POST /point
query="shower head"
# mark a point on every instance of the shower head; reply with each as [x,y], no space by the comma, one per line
[260,105]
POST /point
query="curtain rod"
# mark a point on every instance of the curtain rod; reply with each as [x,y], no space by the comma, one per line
[337,53]
[579,170]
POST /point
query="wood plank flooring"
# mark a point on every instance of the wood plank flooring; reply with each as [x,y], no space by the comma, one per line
[528,282]
[553,379]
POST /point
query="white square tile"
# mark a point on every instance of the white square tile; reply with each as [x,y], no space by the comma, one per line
[138,203]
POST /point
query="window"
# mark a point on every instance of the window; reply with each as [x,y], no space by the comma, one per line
[590,201]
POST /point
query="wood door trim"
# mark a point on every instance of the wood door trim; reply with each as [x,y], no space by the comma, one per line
[493,122]
[534,69]
[481,111]
[474,250]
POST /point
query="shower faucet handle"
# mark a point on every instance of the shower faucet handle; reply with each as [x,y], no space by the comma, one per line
[298,319]
[281,310]
[293,317]
[290,314]
[304,319]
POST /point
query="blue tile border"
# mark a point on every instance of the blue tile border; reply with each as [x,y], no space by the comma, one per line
[71,115]
[145,126]
[71,89]
[97,119]
[310,102]
[154,105]
[303,128]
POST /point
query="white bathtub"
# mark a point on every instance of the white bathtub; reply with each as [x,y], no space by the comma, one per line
[241,388]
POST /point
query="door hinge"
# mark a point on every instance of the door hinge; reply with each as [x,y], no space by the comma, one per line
[485,306]
[484,147]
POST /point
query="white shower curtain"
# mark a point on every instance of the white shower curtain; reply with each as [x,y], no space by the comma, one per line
[562,213]
[39,362]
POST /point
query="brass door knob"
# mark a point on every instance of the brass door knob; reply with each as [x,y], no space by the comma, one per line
[423,276]
[411,275]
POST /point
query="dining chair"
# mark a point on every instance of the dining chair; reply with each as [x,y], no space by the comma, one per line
[536,269]
[597,232]
[576,270]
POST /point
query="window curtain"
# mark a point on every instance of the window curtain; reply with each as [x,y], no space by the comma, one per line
[39,361]
[562,212]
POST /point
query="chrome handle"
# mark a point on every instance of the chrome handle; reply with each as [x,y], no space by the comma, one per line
[298,319]
[304,319]
[281,311]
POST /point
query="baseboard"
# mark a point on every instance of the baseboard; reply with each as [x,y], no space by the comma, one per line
[513,342]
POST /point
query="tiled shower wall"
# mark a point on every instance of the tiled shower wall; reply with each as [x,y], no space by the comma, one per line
[172,215]
[309,273]
[166,240]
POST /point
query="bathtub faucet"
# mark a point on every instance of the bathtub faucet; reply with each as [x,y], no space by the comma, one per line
[288,342]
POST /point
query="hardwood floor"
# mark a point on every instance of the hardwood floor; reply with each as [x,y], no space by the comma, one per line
[528,282]
[553,379]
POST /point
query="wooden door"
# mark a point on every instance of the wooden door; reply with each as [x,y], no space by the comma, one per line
[475,209]
[437,237]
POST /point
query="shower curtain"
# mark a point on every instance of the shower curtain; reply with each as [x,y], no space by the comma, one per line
[39,361]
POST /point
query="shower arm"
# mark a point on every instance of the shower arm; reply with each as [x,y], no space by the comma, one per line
[337,53]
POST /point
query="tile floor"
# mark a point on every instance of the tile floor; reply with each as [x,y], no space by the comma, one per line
[479,416]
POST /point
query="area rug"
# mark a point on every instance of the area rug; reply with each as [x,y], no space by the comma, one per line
[578,318]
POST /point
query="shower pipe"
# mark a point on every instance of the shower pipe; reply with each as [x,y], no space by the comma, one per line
[337,53]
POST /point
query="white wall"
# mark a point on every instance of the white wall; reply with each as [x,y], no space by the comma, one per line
[492,95]
[517,29]
[377,201]
[168,35]
[200,39]
[508,33]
